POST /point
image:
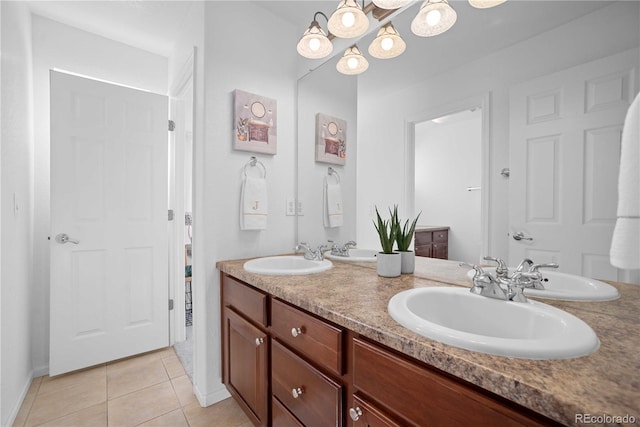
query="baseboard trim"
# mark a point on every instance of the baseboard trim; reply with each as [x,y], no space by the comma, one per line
[41,371]
[18,405]
[220,393]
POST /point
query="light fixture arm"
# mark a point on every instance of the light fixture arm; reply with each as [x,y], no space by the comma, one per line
[315,16]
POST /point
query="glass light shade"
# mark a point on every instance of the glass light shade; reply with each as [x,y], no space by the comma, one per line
[485,4]
[391,4]
[314,43]
[387,44]
[348,20]
[352,62]
[435,17]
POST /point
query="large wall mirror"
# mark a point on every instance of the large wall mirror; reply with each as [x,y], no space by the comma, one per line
[484,77]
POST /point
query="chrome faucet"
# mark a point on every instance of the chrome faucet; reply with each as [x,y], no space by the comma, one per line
[311,254]
[342,251]
[504,286]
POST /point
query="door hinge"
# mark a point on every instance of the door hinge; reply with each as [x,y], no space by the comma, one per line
[172,125]
[170,214]
[170,304]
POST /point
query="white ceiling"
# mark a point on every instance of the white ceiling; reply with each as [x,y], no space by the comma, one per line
[154,25]
[151,25]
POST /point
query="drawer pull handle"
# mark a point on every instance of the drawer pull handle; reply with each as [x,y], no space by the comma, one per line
[297,392]
[259,341]
[355,413]
[296,331]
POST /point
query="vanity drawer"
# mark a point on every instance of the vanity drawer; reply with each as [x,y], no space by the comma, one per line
[244,299]
[281,417]
[319,341]
[424,396]
[423,237]
[441,236]
[312,397]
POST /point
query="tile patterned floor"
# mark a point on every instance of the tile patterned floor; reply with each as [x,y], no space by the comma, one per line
[147,390]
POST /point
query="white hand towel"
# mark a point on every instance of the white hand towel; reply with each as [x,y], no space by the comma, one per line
[625,245]
[253,204]
[332,205]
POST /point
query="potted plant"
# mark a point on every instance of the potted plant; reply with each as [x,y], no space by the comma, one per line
[404,236]
[388,262]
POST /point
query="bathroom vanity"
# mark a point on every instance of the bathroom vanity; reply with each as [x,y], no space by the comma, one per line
[321,350]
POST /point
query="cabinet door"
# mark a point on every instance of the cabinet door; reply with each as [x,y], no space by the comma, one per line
[440,250]
[246,361]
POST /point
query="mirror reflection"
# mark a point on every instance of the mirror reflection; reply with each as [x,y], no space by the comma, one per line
[552,82]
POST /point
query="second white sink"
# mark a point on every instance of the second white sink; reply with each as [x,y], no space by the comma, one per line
[455,316]
[286,265]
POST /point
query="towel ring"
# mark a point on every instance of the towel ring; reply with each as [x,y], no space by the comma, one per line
[252,163]
[332,171]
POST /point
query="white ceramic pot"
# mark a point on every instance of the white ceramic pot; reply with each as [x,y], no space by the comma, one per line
[408,263]
[389,265]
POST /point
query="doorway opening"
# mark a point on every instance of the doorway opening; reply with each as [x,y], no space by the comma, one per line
[447,174]
[447,179]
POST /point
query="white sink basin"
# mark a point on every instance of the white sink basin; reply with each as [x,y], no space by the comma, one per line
[286,265]
[455,316]
[355,254]
[567,287]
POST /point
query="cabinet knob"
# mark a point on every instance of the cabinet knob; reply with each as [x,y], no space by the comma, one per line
[296,331]
[355,413]
[297,392]
[259,341]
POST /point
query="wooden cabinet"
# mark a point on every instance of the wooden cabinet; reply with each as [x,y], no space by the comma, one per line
[422,396]
[245,344]
[432,242]
[287,367]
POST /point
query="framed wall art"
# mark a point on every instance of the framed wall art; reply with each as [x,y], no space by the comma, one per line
[331,139]
[255,123]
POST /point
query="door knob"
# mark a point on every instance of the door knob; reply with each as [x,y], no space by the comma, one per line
[520,236]
[64,238]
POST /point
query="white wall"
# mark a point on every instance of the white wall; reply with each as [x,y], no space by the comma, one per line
[381,166]
[243,50]
[56,45]
[441,191]
[16,229]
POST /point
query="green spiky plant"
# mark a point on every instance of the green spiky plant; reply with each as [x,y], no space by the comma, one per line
[404,234]
[386,231]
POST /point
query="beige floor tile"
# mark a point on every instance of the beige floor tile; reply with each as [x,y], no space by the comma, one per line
[59,383]
[65,397]
[143,405]
[173,366]
[27,403]
[172,419]
[184,390]
[94,416]
[134,375]
[226,413]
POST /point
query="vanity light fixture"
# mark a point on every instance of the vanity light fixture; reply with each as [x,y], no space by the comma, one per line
[314,43]
[348,20]
[352,62]
[435,17]
[387,44]
[391,4]
[485,4]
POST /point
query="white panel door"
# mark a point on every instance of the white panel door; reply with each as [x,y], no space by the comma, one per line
[109,288]
[565,132]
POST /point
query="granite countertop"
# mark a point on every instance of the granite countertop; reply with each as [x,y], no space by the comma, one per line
[354,296]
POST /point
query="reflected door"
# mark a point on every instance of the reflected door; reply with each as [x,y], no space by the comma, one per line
[565,134]
[109,287]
